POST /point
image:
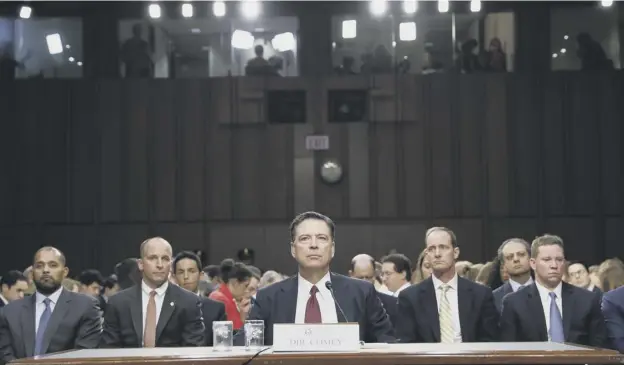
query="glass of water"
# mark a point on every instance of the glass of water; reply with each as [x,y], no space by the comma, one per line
[254,335]
[222,335]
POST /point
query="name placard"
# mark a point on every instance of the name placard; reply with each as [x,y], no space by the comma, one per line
[338,337]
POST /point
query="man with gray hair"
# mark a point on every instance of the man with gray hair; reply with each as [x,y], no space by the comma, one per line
[514,255]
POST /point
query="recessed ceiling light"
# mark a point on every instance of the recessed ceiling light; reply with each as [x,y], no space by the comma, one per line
[259,30]
[195,30]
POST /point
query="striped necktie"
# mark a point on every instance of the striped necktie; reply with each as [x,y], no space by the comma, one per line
[446,318]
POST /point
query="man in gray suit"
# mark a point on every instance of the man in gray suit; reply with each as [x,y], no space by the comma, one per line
[51,320]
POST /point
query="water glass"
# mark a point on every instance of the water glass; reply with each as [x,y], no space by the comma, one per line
[222,335]
[254,335]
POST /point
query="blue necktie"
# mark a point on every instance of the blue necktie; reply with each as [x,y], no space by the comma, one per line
[43,324]
[556,323]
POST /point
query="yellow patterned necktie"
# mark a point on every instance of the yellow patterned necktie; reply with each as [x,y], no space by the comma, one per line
[446,317]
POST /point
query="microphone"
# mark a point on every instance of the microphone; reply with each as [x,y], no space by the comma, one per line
[329,287]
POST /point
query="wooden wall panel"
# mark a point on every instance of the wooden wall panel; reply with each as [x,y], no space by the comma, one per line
[441,156]
[470,128]
[97,166]
[110,119]
[162,151]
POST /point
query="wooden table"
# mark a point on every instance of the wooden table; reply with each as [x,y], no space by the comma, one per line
[370,354]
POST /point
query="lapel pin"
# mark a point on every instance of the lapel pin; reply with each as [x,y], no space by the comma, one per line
[171,304]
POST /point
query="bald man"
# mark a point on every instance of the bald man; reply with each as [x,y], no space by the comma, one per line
[154,313]
[363,267]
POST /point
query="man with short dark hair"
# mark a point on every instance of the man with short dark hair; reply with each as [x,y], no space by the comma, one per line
[51,320]
[90,282]
[396,272]
[514,255]
[186,270]
[446,308]
[13,286]
[307,298]
[551,309]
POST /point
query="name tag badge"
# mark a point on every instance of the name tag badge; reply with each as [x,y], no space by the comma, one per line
[338,337]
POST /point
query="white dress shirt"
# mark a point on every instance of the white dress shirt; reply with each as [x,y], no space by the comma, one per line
[404,286]
[545,299]
[159,298]
[516,285]
[3,299]
[591,287]
[323,296]
[40,307]
[452,296]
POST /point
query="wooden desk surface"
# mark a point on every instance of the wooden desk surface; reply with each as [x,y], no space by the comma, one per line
[373,354]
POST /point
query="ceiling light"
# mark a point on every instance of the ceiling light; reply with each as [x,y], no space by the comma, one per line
[25,12]
[218,8]
[187,10]
[154,11]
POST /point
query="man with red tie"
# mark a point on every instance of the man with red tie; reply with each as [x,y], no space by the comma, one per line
[307,297]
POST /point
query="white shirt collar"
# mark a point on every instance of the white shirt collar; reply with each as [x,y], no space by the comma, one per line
[545,292]
[54,297]
[437,282]
[516,285]
[160,291]
[590,287]
[3,299]
[404,286]
[306,285]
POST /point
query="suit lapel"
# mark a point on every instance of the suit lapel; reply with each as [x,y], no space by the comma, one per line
[136,313]
[567,306]
[429,303]
[28,324]
[60,311]
[536,312]
[166,311]
[288,301]
[342,294]
[507,289]
[464,302]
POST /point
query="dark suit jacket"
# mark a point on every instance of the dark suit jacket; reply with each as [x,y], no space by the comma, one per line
[522,319]
[613,311]
[418,318]
[277,303]
[212,311]
[180,323]
[390,304]
[75,324]
[499,293]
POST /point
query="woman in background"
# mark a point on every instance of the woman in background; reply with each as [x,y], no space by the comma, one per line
[235,277]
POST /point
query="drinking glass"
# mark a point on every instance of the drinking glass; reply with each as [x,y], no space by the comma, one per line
[222,335]
[254,335]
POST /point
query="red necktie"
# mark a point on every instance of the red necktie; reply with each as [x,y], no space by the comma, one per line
[313,311]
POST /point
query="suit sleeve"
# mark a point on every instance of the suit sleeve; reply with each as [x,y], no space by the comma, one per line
[378,320]
[488,330]
[6,341]
[406,329]
[90,331]
[111,331]
[614,320]
[507,322]
[193,333]
[597,327]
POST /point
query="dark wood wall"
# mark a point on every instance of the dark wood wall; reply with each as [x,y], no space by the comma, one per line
[94,167]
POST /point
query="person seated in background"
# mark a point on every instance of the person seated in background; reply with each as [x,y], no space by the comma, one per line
[13,286]
[235,277]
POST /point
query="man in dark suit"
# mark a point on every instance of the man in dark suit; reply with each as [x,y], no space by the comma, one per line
[363,268]
[187,272]
[550,309]
[446,308]
[514,254]
[579,276]
[305,297]
[154,313]
[613,311]
[13,286]
[51,320]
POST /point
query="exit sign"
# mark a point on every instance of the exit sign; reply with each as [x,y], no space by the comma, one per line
[317,143]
